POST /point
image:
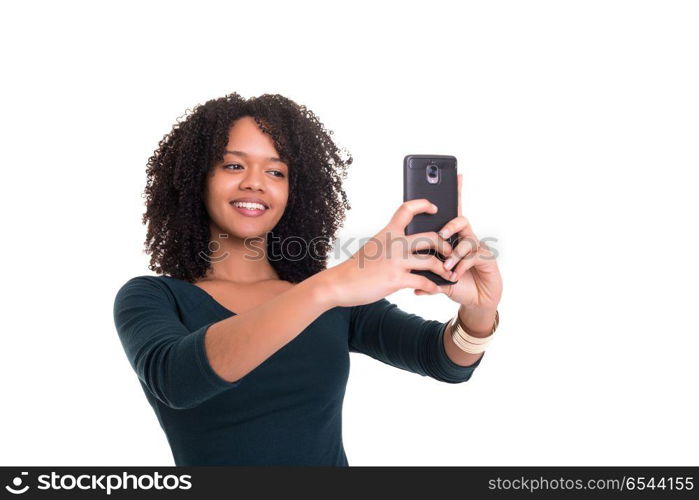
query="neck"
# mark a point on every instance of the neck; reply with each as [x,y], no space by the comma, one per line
[238,260]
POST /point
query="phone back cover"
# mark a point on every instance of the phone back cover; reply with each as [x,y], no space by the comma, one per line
[444,194]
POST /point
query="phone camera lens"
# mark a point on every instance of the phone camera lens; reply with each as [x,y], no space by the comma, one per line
[432,174]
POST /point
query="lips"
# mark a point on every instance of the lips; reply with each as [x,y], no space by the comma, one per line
[249,199]
[249,208]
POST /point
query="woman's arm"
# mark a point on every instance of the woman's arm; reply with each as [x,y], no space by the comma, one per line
[184,368]
[405,340]
[479,323]
[237,345]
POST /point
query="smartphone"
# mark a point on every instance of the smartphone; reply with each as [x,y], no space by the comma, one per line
[432,177]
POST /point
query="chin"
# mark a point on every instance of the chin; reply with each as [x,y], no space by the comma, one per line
[246,228]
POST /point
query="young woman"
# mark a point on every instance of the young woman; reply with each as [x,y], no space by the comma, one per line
[241,342]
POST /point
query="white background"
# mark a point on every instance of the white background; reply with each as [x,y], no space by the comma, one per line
[575,125]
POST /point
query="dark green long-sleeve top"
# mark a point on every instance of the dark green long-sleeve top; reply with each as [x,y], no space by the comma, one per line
[288,410]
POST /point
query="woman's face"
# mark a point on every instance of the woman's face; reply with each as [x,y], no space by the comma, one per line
[250,174]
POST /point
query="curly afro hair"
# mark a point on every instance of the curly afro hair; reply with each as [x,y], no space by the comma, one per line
[178,233]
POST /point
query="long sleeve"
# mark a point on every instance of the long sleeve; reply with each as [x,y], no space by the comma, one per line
[404,340]
[168,358]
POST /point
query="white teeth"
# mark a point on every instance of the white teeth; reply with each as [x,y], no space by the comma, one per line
[249,205]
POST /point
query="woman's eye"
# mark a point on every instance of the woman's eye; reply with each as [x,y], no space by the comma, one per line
[277,173]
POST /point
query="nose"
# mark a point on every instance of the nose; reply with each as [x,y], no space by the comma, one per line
[252,180]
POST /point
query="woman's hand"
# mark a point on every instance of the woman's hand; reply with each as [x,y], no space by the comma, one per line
[479,284]
[382,266]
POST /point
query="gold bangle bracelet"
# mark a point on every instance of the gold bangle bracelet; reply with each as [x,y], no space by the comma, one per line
[459,330]
[467,342]
[467,346]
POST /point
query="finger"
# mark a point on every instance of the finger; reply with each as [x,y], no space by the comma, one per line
[459,224]
[442,289]
[465,249]
[420,283]
[480,260]
[427,262]
[408,210]
[463,266]
[426,240]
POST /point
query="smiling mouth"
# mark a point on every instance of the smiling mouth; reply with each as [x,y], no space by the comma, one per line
[249,208]
[250,205]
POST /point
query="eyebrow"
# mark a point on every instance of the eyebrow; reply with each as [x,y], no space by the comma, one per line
[245,155]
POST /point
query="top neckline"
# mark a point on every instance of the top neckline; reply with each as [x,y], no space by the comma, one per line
[206,294]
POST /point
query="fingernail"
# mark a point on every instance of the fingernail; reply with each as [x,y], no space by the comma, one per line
[444,233]
[434,207]
[449,262]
